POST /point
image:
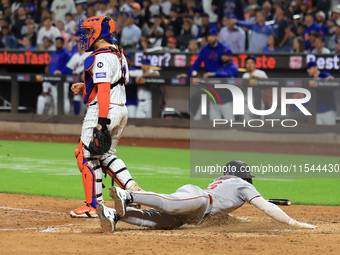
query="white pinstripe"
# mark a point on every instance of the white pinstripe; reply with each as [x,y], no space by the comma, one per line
[109,64]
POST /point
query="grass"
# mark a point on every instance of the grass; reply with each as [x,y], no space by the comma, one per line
[50,169]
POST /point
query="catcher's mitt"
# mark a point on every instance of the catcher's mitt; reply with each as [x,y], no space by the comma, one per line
[101,141]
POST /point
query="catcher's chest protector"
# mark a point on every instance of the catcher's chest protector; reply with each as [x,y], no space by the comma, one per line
[90,90]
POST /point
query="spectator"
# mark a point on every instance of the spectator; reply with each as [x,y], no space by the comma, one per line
[171,45]
[335,38]
[144,108]
[272,45]
[326,103]
[19,22]
[127,6]
[304,8]
[143,43]
[312,38]
[40,9]
[29,21]
[70,24]
[175,22]
[320,46]
[166,7]
[130,33]
[90,11]
[251,13]
[321,20]
[155,10]
[260,31]
[73,43]
[267,9]
[8,40]
[337,48]
[226,8]
[30,8]
[157,23]
[185,35]
[336,13]
[60,26]
[48,44]
[80,11]
[47,13]
[193,46]
[194,27]
[299,45]
[323,6]
[47,31]
[206,25]
[31,34]
[59,9]
[331,34]
[311,26]
[179,8]
[209,54]
[26,44]
[209,9]
[102,9]
[169,32]
[140,19]
[59,59]
[145,11]
[282,27]
[233,36]
[156,41]
[3,22]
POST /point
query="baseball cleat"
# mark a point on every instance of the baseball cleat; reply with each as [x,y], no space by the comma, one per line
[122,198]
[108,218]
[85,211]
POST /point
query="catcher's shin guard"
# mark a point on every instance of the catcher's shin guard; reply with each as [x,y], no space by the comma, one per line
[92,178]
[119,173]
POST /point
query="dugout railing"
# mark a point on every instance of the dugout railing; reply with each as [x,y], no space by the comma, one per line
[16,82]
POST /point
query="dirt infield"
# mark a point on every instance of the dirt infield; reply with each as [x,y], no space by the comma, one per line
[41,225]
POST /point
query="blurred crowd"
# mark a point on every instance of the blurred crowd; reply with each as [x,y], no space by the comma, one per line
[178,25]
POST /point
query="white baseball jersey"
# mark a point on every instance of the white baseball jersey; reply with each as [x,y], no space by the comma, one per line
[104,66]
[143,92]
[257,73]
[76,62]
[61,7]
[107,68]
[52,33]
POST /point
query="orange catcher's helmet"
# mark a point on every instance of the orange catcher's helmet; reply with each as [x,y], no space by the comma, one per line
[97,27]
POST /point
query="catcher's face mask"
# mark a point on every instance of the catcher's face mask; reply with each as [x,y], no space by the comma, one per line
[96,27]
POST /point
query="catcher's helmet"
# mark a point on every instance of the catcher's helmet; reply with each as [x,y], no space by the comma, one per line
[97,27]
[240,169]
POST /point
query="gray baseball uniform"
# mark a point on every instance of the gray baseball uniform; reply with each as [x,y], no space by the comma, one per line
[189,204]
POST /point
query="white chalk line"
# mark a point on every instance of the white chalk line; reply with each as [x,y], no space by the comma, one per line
[14,229]
[28,210]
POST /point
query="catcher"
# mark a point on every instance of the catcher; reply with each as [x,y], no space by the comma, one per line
[190,204]
[105,74]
